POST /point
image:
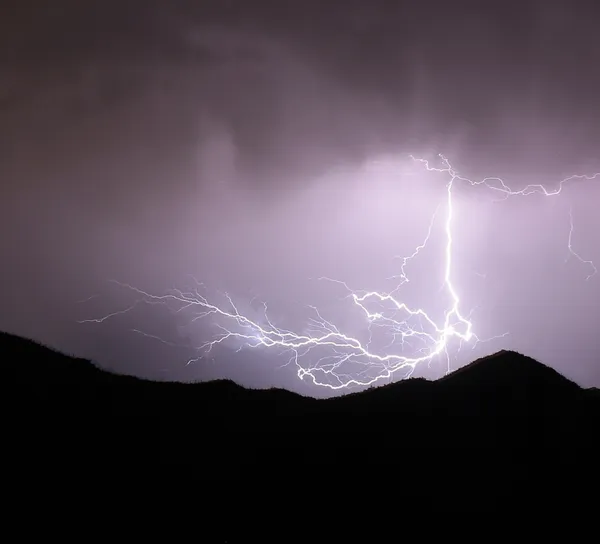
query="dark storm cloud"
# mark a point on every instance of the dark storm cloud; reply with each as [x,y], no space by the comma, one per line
[144,141]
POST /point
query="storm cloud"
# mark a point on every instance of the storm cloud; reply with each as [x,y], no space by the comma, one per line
[258,147]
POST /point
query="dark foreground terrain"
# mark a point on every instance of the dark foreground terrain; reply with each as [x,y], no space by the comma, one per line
[504,432]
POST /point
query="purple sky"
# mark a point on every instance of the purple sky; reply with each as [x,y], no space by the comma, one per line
[259,146]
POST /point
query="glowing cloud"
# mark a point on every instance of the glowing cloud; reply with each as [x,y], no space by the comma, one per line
[335,359]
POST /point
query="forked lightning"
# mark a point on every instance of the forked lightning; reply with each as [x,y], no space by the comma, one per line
[330,357]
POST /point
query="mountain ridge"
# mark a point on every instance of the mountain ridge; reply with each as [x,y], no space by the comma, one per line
[12,345]
[506,417]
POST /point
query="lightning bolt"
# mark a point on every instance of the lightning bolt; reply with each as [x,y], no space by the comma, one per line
[591,264]
[340,360]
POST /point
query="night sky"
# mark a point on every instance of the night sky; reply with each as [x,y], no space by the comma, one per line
[258,146]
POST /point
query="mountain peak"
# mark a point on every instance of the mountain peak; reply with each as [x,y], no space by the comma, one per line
[509,368]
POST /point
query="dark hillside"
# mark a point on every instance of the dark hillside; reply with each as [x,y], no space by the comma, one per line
[501,422]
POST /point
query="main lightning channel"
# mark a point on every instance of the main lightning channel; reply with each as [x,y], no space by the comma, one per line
[343,360]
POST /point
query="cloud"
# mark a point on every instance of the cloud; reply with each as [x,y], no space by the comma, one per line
[244,152]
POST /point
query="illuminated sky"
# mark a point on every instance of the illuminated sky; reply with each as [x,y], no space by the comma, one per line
[258,147]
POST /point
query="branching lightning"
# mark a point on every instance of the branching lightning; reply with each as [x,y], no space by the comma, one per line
[337,359]
[572,252]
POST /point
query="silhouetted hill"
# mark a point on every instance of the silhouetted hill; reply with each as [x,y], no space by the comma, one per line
[501,421]
[503,368]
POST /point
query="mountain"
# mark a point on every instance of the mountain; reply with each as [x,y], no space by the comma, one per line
[502,424]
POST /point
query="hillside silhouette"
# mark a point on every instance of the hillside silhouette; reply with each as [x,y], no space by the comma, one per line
[504,427]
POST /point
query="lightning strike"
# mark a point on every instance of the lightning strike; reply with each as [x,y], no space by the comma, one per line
[591,264]
[337,359]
